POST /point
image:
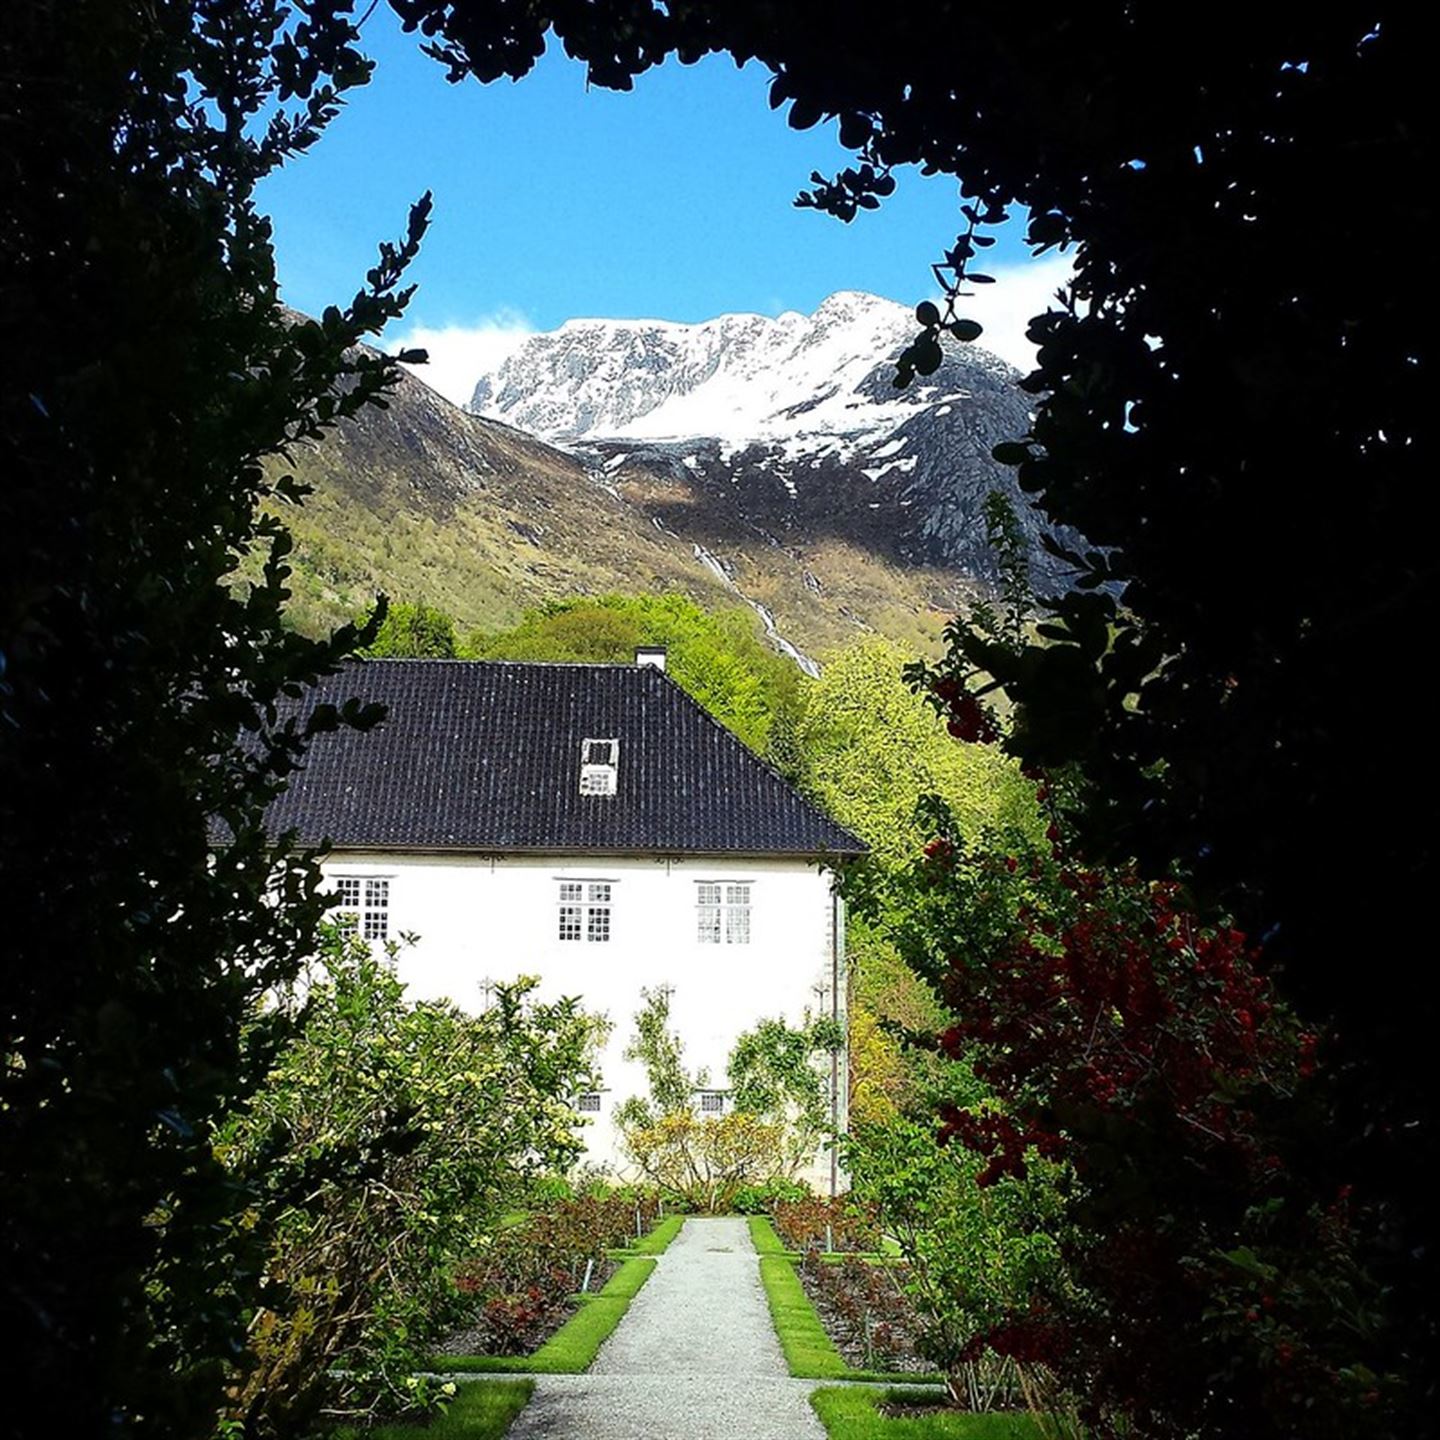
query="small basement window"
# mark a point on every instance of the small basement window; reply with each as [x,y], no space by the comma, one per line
[599,766]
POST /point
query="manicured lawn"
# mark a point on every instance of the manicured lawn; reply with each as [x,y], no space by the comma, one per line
[575,1344]
[656,1241]
[764,1238]
[854,1415]
[483,1410]
[809,1351]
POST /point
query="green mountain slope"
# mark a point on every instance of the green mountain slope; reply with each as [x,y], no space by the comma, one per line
[426,501]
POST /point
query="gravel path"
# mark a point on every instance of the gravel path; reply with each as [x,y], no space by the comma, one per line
[695,1358]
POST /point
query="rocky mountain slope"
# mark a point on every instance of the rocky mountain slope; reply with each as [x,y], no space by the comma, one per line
[787,426]
[768,462]
[425,501]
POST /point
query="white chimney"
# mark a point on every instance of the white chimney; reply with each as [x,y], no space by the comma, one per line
[653,655]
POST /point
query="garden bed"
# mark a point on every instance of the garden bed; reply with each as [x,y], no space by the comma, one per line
[863,1310]
[529,1279]
[572,1348]
[477,1338]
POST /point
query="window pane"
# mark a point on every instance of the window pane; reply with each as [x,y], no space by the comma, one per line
[377,892]
[599,894]
[599,923]
[569,922]
[348,890]
[712,1102]
[708,894]
[708,931]
[570,891]
[737,894]
[737,925]
[589,1101]
[376,925]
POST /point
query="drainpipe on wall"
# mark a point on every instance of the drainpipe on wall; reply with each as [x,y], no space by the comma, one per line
[837,956]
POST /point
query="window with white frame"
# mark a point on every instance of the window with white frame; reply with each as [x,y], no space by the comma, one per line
[585,911]
[722,913]
[588,1102]
[712,1102]
[599,766]
[362,905]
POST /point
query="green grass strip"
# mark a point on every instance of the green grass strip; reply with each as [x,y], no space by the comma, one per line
[482,1411]
[575,1344]
[809,1351]
[764,1238]
[655,1242]
[855,1415]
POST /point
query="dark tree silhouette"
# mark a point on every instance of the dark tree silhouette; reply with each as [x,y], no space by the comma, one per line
[149,371]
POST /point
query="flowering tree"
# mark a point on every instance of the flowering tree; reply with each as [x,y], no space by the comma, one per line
[775,1121]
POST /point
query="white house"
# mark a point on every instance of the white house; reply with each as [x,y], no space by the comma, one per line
[594,826]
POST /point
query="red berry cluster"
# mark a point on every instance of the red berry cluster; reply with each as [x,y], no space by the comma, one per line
[969,720]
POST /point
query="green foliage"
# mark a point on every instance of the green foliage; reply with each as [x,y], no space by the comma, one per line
[773,1075]
[388,1140]
[718,658]
[662,1053]
[414,632]
[873,748]
[976,1257]
[774,1126]
[757,1200]
[153,389]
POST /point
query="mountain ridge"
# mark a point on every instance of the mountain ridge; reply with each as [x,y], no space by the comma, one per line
[833,504]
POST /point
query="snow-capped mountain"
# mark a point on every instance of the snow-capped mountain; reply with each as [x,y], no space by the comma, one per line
[739,379]
[790,426]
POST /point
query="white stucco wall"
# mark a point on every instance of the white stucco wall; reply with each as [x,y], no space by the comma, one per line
[483,918]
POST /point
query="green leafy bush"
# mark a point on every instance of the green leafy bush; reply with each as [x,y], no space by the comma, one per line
[762,1199]
[977,1257]
[389,1139]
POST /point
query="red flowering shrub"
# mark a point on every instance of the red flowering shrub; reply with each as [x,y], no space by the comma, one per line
[813,1223]
[1119,1032]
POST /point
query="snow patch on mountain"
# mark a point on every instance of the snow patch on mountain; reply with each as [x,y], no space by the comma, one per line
[797,381]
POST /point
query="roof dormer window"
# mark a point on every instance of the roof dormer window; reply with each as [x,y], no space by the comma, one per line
[599,765]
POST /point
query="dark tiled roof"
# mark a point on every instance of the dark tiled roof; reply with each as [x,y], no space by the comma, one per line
[485,755]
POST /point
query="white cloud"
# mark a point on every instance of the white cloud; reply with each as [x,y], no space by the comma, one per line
[460,354]
[1006,307]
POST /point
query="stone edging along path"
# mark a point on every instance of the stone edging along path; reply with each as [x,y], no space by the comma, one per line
[694,1358]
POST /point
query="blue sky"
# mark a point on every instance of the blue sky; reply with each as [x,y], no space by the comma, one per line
[551,202]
